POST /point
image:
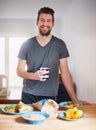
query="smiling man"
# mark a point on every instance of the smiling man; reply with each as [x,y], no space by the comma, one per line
[44,50]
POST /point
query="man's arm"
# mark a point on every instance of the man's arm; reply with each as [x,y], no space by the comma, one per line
[21,71]
[67,80]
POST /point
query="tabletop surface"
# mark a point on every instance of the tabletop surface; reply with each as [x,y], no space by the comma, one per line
[16,122]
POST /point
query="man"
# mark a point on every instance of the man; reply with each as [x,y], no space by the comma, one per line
[44,50]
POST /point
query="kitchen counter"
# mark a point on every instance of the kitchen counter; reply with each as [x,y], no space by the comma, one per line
[15,122]
[14,96]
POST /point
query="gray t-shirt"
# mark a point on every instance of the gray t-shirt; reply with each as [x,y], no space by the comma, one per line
[47,56]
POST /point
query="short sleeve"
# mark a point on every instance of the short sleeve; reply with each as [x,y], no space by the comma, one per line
[63,51]
[23,51]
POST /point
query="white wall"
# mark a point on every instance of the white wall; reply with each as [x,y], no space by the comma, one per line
[79,33]
[75,24]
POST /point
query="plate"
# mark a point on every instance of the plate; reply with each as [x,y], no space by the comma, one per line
[69,104]
[62,116]
[16,113]
[35,117]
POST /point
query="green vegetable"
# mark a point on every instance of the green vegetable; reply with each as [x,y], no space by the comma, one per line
[6,108]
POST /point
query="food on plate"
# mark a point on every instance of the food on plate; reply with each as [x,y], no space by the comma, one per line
[20,107]
[9,108]
[73,113]
[47,105]
[36,117]
[80,113]
[71,104]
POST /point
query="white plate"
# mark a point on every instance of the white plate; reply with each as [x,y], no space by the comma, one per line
[16,113]
[62,116]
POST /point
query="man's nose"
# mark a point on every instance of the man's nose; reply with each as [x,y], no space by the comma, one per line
[45,23]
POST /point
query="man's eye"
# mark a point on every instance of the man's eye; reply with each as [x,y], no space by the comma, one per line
[41,20]
[49,20]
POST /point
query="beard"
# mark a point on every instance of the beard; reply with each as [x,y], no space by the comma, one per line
[44,33]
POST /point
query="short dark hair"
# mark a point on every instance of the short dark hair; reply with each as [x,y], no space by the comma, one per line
[46,10]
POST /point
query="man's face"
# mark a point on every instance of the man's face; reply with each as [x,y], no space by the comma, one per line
[45,24]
